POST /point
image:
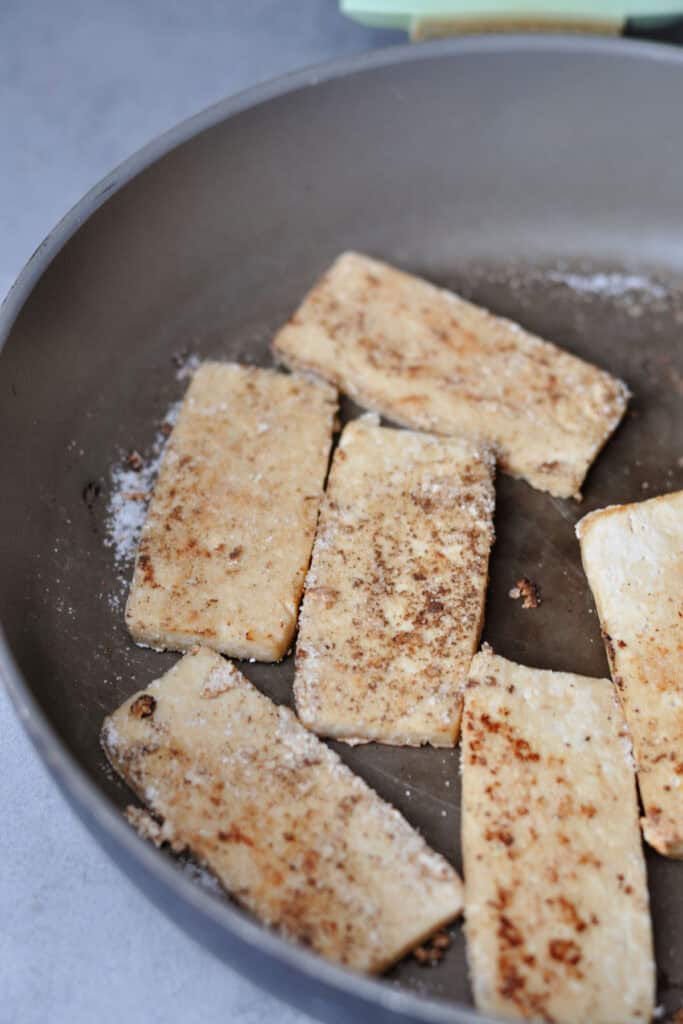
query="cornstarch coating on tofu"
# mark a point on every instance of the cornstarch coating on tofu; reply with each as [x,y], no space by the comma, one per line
[227,540]
[556,901]
[633,558]
[430,360]
[394,599]
[286,827]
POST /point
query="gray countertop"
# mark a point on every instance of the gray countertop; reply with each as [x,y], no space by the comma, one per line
[83,84]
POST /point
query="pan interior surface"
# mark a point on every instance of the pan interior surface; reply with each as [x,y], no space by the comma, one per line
[539,178]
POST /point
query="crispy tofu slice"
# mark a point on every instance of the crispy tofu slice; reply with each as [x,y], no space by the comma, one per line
[556,901]
[427,359]
[394,599]
[286,827]
[633,558]
[227,540]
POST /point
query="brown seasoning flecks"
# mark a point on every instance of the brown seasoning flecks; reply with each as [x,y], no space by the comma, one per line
[143,706]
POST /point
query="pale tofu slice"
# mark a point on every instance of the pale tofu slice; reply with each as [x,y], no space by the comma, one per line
[286,827]
[633,558]
[227,541]
[556,901]
[428,359]
[394,599]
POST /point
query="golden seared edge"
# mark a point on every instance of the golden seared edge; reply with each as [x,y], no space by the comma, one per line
[633,558]
[556,901]
[394,599]
[428,359]
[227,540]
[286,827]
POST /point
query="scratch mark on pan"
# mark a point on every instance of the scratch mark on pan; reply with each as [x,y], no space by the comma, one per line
[413,788]
[563,510]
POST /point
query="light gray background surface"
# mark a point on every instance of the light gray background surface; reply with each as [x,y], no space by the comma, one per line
[83,84]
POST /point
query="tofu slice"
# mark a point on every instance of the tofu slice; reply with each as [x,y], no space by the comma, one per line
[428,359]
[227,540]
[556,901]
[633,558]
[286,827]
[394,599]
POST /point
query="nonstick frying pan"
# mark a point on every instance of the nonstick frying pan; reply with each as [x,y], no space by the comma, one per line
[539,176]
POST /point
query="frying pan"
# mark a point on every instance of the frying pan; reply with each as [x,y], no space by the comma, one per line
[539,176]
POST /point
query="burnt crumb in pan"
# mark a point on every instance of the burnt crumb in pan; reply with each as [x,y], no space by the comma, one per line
[529,591]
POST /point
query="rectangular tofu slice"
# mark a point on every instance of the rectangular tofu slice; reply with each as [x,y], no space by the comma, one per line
[227,540]
[394,599]
[556,901]
[430,360]
[633,558]
[286,827]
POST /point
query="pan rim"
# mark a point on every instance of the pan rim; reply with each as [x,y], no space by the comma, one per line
[94,807]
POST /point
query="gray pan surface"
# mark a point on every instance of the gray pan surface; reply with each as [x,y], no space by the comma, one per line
[542,178]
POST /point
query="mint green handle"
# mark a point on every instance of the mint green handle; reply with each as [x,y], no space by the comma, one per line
[404,14]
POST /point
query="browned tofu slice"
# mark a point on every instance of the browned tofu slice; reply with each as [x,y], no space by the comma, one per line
[286,827]
[394,599]
[633,558]
[556,901]
[430,360]
[227,540]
